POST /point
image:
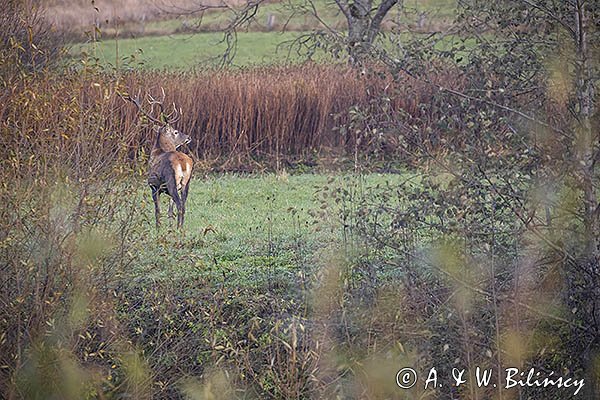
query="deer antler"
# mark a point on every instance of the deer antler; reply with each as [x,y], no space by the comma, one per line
[152,101]
[137,103]
[163,119]
[174,115]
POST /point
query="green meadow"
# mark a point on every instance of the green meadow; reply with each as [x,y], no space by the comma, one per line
[184,43]
[196,51]
[290,15]
[186,51]
[252,228]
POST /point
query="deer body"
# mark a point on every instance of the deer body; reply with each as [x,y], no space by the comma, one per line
[169,171]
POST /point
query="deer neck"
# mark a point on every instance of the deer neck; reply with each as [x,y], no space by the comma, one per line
[162,145]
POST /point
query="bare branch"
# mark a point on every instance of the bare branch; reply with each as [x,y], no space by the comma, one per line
[382,11]
[343,5]
[550,14]
[479,99]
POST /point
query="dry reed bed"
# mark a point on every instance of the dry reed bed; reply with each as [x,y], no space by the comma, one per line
[232,116]
[287,111]
[284,112]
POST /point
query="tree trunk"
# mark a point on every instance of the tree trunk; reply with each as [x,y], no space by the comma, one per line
[588,142]
[363,26]
[586,137]
[358,28]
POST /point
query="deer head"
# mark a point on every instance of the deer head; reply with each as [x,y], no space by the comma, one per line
[169,138]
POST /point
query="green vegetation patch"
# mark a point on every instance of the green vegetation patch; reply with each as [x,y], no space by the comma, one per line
[172,44]
[290,15]
[185,51]
[249,231]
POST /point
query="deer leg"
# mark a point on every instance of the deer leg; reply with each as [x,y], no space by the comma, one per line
[171,215]
[156,198]
[172,187]
[184,194]
[181,214]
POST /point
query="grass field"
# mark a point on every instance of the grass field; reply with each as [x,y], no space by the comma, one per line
[184,51]
[189,51]
[160,44]
[259,256]
[252,229]
[295,15]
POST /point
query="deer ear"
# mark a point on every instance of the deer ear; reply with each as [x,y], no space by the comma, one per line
[156,128]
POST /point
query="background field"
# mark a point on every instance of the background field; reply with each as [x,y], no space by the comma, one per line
[145,17]
[197,52]
[194,51]
[164,42]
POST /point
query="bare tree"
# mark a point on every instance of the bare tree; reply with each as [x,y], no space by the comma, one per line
[364,20]
[364,23]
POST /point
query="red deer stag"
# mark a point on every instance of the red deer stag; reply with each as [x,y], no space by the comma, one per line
[169,170]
